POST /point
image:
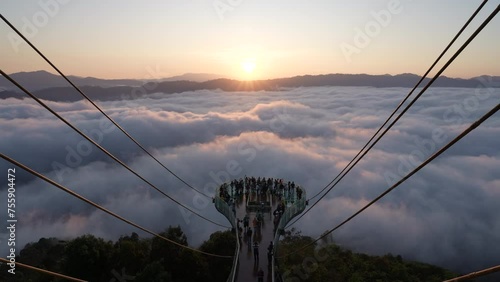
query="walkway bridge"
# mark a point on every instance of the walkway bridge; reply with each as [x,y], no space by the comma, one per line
[272,203]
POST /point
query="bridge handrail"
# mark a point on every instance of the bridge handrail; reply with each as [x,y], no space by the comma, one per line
[290,212]
[225,210]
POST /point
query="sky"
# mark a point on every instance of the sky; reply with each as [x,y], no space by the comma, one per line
[446,214]
[244,39]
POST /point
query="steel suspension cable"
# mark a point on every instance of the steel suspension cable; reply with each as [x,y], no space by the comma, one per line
[59,275]
[464,45]
[76,195]
[475,274]
[407,96]
[423,164]
[97,107]
[104,150]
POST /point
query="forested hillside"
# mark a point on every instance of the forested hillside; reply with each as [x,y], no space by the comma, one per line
[131,258]
[330,262]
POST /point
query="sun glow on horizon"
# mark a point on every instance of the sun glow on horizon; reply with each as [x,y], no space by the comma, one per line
[248,65]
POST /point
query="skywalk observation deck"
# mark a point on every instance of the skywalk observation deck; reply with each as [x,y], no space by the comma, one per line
[268,205]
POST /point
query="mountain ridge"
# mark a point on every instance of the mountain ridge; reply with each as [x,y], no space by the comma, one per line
[38,80]
[127,89]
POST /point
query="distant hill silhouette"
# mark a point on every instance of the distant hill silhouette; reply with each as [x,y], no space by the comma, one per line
[105,90]
[199,77]
[38,80]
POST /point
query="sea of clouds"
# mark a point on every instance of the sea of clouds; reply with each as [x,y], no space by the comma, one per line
[447,214]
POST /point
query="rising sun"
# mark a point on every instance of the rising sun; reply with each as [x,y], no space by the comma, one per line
[248,65]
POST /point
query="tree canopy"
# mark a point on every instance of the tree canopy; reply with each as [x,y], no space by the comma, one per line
[330,262]
[130,258]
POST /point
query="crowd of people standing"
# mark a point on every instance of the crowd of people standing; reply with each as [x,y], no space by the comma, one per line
[275,186]
[258,193]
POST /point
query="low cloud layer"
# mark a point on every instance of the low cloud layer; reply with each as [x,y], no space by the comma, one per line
[447,214]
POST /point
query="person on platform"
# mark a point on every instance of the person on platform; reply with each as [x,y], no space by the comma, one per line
[255,251]
[255,225]
[260,275]
[246,221]
[249,237]
[270,250]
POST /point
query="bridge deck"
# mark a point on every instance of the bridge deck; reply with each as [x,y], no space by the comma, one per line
[248,267]
[257,203]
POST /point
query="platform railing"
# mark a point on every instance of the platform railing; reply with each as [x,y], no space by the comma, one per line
[225,210]
[292,209]
[290,212]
